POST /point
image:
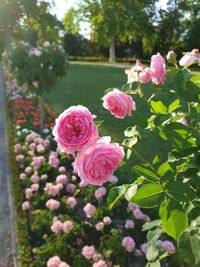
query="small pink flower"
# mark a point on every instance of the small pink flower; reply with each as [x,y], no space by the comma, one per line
[74,129]
[44,177]
[100,263]
[53,190]
[138,214]
[158,69]
[100,192]
[99,226]
[68,226]
[71,201]
[63,264]
[62,179]
[28,193]
[168,246]
[133,73]
[53,161]
[129,224]
[37,162]
[88,252]
[35,187]
[57,227]
[40,148]
[128,243]
[32,146]
[26,205]
[35,178]
[70,188]
[144,247]
[145,76]
[119,103]
[19,158]
[62,170]
[52,204]
[22,176]
[54,262]
[190,58]
[82,184]
[28,169]
[107,220]
[89,210]
[17,148]
[113,179]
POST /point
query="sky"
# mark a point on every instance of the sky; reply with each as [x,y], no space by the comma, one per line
[61,7]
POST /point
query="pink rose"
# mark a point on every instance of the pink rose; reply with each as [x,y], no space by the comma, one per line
[68,226]
[100,192]
[107,220]
[88,252]
[22,176]
[157,69]
[128,243]
[133,73]
[74,129]
[99,226]
[119,103]
[96,163]
[57,227]
[53,262]
[26,205]
[35,187]
[89,210]
[70,188]
[63,264]
[190,58]
[145,76]
[52,204]
[100,263]
[35,178]
[129,224]
[62,179]
[71,201]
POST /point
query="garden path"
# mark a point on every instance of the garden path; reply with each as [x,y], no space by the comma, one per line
[6,248]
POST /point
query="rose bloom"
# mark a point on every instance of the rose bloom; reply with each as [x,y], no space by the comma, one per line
[26,205]
[40,148]
[138,214]
[44,177]
[129,224]
[57,227]
[62,179]
[62,169]
[63,264]
[99,226]
[96,163]
[100,192]
[35,187]
[88,252]
[144,247]
[113,179]
[89,210]
[53,161]
[70,188]
[133,73]
[145,76]
[35,178]
[52,204]
[28,193]
[128,243]
[119,103]
[68,226]
[54,262]
[28,169]
[74,129]
[158,69]
[22,176]
[19,158]
[71,201]
[100,263]
[190,58]
[107,220]
[168,246]
[17,148]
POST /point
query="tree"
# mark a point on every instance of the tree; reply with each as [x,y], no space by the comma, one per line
[123,20]
[71,21]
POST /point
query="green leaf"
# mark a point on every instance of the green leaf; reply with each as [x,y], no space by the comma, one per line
[152,252]
[155,160]
[196,80]
[158,107]
[180,191]
[174,219]
[150,175]
[188,247]
[148,196]
[149,225]
[130,192]
[173,106]
[164,169]
[114,195]
[154,234]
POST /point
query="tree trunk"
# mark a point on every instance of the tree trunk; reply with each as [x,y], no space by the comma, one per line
[112,51]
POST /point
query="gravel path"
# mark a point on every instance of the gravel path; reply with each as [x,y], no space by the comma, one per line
[6,228]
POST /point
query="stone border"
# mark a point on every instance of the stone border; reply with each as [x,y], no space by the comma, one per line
[12,210]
